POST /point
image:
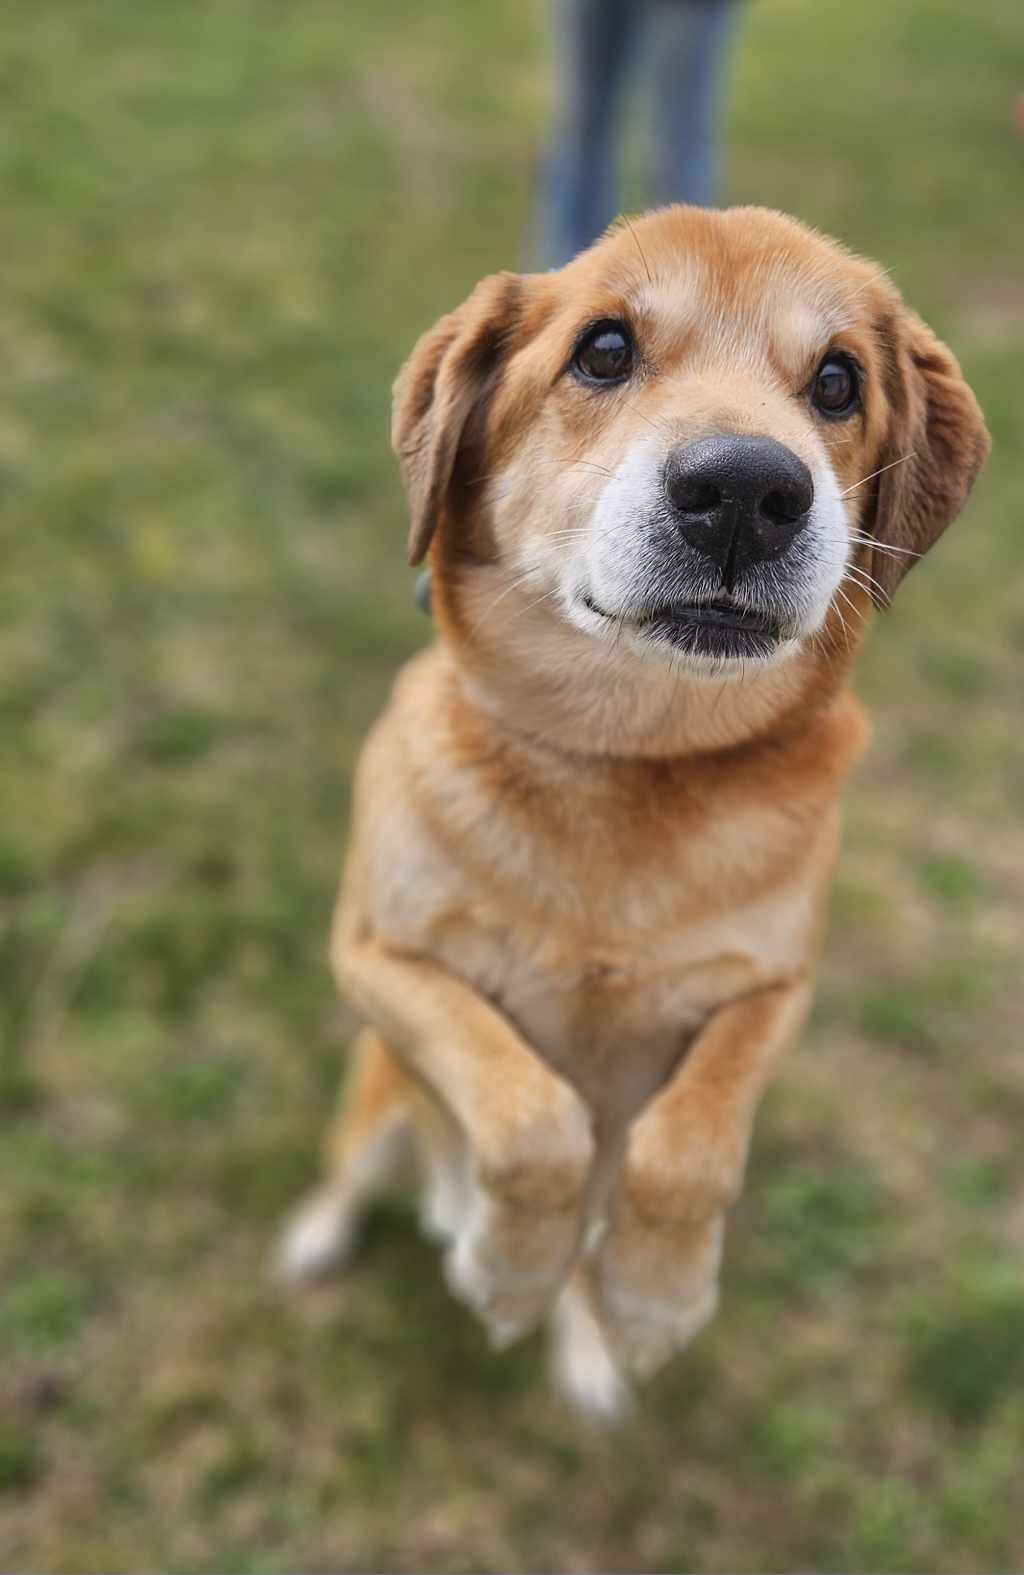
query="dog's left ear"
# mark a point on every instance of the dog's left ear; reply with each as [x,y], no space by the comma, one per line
[444,383]
[937,444]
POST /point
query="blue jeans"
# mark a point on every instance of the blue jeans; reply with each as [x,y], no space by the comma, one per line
[596,43]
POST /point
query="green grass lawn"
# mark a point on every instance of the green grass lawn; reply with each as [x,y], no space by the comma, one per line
[223,222]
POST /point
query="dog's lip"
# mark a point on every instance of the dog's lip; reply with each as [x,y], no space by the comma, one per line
[713,614]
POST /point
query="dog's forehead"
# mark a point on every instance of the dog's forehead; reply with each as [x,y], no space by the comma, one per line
[740,277]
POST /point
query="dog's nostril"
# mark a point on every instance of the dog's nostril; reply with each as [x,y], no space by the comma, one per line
[783,508]
[708,496]
[694,496]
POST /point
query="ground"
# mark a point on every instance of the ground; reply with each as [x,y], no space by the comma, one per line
[223,224]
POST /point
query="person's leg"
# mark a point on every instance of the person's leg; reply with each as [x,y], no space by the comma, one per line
[689,41]
[593,45]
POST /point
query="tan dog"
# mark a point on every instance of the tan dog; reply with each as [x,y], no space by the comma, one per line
[595,828]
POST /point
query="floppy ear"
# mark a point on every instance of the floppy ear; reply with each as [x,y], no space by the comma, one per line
[937,444]
[445,381]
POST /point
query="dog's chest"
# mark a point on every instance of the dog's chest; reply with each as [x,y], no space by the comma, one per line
[612,1018]
[610,943]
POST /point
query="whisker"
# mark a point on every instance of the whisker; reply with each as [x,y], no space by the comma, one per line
[860,540]
[500,598]
[670,699]
[589,464]
[869,284]
[858,569]
[891,466]
[883,546]
[662,426]
[867,583]
[636,241]
[846,580]
[531,605]
[845,626]
[478,481]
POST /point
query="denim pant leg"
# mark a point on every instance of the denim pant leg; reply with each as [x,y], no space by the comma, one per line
[689,42]
[594,44]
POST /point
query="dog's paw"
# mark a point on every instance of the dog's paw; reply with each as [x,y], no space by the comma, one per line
[590,1383]
[645,1330]
[510,1301]
[444,1204]
[319,1237]
[583,1370]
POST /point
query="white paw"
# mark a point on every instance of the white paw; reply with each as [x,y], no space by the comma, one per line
[645,1332]
[509,1302]
[444,1203]
[582,1366]
[318,1237]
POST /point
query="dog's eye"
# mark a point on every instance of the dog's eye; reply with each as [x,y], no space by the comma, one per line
[604,354]
[836,389]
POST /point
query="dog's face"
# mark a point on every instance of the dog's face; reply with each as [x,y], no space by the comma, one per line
[686,440]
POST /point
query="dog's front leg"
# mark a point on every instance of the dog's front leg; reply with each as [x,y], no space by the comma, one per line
[657,1267]
[527,1133]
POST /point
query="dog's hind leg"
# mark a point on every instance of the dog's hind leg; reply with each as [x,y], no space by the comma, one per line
[583,1368]
[444,1162]
[365,1147]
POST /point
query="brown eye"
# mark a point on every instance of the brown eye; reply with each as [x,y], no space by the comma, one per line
[836,390]
[604,354]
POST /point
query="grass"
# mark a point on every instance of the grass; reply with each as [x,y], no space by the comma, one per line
[222,227]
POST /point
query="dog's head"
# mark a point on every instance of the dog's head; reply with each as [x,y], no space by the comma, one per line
[685,442]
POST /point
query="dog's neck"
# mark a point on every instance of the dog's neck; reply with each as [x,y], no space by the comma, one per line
[534,676]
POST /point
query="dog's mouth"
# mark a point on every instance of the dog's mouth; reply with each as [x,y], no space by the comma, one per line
[714,628]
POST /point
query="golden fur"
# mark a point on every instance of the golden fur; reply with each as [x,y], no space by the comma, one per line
[586,890]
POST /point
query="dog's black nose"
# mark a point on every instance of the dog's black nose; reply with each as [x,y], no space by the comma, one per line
[738,500]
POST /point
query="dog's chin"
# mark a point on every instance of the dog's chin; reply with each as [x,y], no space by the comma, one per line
[710,639]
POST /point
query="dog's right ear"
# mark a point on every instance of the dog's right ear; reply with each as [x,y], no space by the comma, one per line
[445,381]
[937,444]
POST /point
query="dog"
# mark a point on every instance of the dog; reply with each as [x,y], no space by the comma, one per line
[661,492]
